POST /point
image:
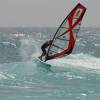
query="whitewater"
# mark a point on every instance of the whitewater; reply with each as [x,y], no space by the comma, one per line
[23,77]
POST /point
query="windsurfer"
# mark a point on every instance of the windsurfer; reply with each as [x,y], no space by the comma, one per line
[43,48]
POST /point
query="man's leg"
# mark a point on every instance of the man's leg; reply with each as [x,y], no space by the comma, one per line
[43,53]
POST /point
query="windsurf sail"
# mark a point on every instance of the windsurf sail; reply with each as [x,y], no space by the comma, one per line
[65,36]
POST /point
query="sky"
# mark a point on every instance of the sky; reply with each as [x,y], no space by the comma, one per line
[45,13]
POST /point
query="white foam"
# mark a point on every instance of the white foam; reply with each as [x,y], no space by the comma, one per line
[37,52]
[2,77]
[77,60]
[9,43]
[6,76]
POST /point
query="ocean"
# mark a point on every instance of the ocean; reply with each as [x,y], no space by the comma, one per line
[22,77]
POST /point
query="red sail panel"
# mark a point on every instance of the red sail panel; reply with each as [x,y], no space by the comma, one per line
[64,39]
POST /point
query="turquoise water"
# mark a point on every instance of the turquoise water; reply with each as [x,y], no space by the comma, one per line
[35,81]
[23,77]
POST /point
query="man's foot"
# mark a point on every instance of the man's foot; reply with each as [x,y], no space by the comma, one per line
[40,57]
